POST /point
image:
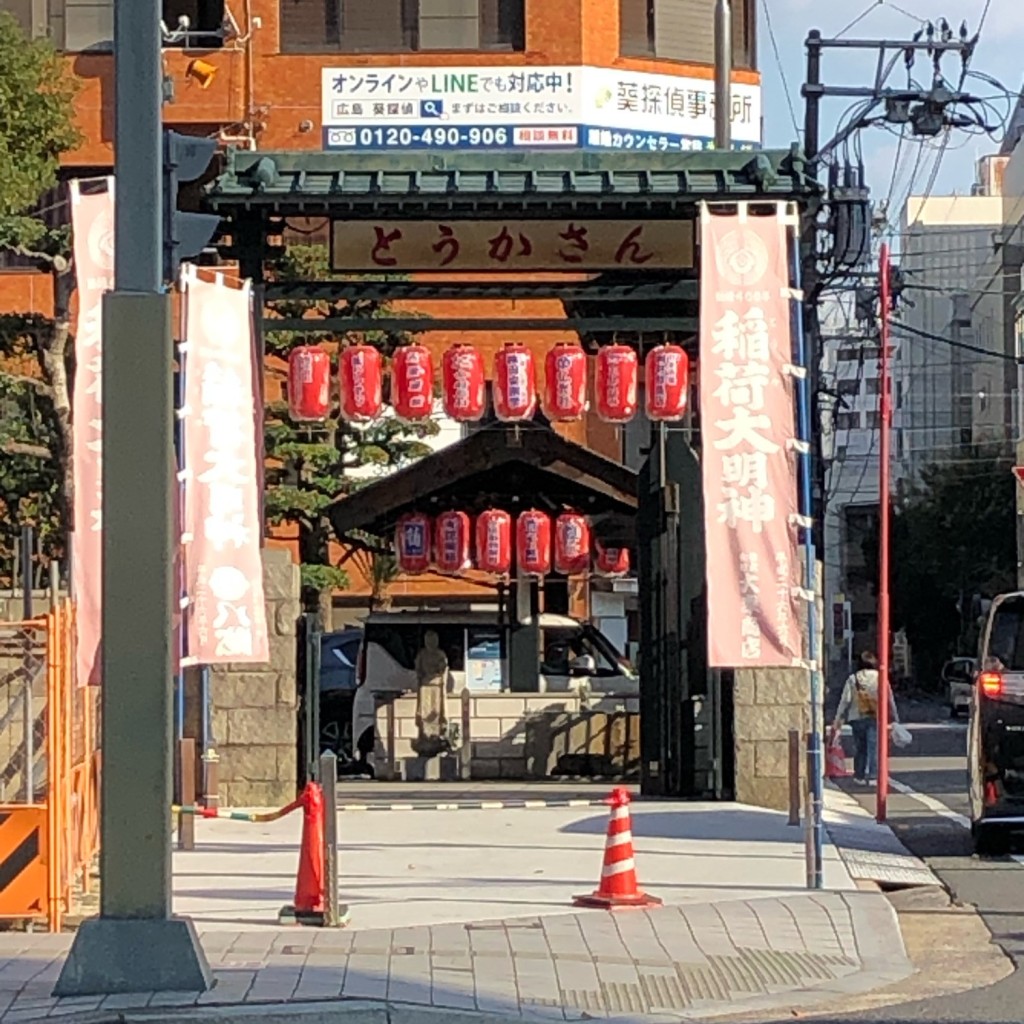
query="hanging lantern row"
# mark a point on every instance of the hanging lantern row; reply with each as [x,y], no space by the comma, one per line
[464,383]
[540,544]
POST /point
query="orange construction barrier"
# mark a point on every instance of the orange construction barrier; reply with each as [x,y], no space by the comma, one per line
[618,886]
[49,787]
[309,882]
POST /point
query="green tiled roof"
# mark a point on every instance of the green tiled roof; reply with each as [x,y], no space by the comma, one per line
[471,182]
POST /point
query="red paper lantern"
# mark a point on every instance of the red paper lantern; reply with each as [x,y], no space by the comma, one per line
[565,383]
[572,544]
[612,561]
[451,542]
[667,374]
[515,383]
[494,542]
[360,381]
[309,383]
[412,382]
[464,383]
[412,543]
[617,383]
[533,543]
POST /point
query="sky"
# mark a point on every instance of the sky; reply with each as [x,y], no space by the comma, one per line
[998,54]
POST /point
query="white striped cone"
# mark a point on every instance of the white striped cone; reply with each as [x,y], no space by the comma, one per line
[618,886]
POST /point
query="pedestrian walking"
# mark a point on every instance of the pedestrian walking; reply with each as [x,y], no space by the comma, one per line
[859,706]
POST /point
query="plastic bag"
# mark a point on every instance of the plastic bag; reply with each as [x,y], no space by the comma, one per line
[900,735]
[835,757]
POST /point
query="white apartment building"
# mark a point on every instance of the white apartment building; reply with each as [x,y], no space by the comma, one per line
[945,243]
[851,373]
[952,253]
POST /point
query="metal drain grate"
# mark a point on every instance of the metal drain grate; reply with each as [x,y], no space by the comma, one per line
[722,979]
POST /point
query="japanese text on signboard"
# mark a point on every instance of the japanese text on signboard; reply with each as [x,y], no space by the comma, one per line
[749,469]
[511,245]
[226,620]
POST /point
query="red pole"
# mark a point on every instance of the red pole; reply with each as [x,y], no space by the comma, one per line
[885,417]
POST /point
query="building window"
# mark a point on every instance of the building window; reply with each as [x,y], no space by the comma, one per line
[684,30]
[402,26]
[846,420]
[194,24]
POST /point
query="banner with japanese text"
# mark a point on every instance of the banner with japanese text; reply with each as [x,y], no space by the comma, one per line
[225,614]
[92,226]
[747,430]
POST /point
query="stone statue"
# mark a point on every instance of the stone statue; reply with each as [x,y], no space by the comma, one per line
[432,677]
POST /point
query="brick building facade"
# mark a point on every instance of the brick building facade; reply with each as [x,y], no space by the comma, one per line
[250,72]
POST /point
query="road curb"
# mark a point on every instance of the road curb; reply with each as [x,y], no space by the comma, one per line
[950,956]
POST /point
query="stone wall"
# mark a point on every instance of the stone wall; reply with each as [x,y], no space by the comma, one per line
[12,604]
[255,717]
[768,703]
[515,736]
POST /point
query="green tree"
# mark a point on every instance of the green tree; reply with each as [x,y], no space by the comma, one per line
[36,127]
[309,465]
[953,538]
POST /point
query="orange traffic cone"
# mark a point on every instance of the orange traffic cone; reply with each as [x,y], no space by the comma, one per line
[309,883]
[618,886]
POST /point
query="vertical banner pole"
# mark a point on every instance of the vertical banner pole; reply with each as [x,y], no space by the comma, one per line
[885,418]
[815,765]
[182,589]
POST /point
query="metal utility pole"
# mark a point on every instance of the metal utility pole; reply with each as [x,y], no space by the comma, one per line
[136,945]
[723,74]
[885,424]
[923,110]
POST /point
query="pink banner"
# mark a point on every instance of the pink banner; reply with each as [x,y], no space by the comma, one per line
[225,618]
[92,224]
[747,430]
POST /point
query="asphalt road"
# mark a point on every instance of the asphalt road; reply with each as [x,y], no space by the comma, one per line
[928,810]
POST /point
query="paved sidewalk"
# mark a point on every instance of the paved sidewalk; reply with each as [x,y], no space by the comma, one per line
[424,867]
[870,851]
[471,911]
[672,963]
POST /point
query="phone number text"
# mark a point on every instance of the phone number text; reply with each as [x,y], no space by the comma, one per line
[448,137]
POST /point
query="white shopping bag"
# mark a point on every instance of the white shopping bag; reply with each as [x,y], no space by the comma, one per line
[901,736]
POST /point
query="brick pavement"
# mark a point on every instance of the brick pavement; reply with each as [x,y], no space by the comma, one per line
[674,962]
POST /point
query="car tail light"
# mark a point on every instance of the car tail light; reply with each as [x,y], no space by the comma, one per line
[991,683]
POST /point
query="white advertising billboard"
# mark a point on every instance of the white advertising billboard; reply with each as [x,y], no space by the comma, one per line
[490,108]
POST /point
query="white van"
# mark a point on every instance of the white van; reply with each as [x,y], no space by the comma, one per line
[574,657]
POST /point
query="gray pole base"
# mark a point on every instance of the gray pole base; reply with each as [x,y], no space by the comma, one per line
[116,955]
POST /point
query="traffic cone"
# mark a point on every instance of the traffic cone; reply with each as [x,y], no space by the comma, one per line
[618,886]
[309,882]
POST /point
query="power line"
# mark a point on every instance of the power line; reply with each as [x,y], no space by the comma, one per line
[779,65]
[966,346]
[860,17]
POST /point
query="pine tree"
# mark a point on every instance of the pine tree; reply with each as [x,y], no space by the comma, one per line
[36,126]
[309,465]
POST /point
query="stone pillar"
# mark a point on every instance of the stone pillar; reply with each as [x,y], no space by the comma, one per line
[768,703]
[255,716]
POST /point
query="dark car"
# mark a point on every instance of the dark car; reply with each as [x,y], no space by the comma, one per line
[995,753]
[339,656]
